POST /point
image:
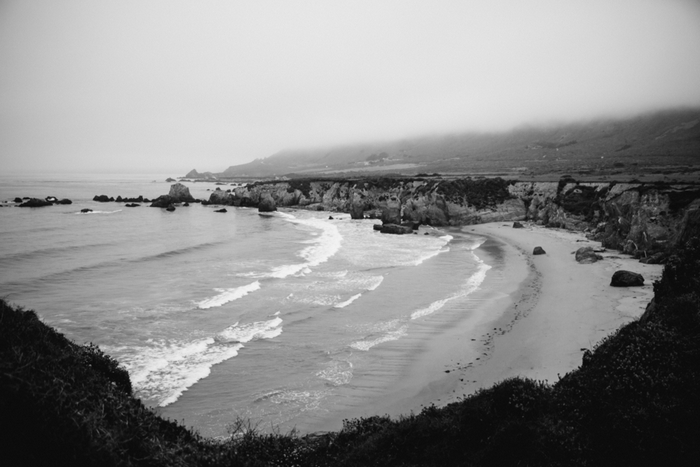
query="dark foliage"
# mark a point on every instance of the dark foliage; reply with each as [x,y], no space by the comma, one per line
[480,193]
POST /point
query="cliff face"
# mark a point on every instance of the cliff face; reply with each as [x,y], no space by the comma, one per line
[633,217]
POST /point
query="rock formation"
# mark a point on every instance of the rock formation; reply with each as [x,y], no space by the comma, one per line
[640,219]
[267,203]
[179,193]
[538,251]
[587,255]
[35,203]
[626,279]
[396,229]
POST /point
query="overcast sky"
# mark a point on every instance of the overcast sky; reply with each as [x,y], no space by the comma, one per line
[167,86]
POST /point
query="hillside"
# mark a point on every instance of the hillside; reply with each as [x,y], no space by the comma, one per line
[642,143]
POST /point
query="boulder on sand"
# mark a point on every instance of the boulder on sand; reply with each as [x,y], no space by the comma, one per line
[518,225]
[396,229]
[586,255]
[538,251]
[626,279]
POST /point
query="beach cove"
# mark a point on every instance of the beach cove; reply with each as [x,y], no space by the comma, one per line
[533,317]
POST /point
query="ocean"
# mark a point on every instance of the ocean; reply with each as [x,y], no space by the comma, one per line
[283,319]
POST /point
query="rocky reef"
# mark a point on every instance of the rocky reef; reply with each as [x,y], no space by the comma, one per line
[644,219]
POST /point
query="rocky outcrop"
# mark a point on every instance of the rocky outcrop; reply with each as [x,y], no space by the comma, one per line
[38,203]
[626,279]
[587,255]
[179,193]
[640,219]
[267,203]
[396,229]
[539,251]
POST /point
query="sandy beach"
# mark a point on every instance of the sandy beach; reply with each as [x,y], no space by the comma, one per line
[533,317]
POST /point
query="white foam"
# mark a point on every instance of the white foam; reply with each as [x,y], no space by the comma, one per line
[322,248]
[432,308]
[252,331]
[377,281]
[348,301]
[228,295]
[337,372]
[100,212]
[164,370]
[367,344]
[472,284]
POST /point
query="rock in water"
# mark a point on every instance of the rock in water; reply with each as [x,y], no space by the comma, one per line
[586,255]
[538,251]
[266,204]
[221,210]
[626,279]
[86,210]
[179,193]
[35,203]
[170,208]
[517,225]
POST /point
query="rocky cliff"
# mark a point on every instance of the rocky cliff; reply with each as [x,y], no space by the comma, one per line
[637,218]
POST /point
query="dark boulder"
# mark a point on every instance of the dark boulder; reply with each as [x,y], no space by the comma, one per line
[64,201]
[18,200]
[180,193]
[186,204]
[170,180]
[626,279]
[221,210]
[657,258]
[586,255]
[132,205]
[35,203]
[170,208]
[377,227]
[85,210]
[162,201]
[518,225]
[267,204]
[101,198]
[538,251]
[396,229]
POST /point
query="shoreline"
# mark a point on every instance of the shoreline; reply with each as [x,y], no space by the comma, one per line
[566,308]
[532,317]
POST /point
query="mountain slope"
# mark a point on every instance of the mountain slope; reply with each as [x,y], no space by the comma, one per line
[662,138]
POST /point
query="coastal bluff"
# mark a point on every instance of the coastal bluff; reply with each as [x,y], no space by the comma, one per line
[642,219]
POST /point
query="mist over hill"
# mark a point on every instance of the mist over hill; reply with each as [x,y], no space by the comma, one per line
[664,138]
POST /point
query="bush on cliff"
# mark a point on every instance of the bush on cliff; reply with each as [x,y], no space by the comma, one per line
[633,401]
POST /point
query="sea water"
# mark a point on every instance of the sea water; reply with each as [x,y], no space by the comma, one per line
[280,319]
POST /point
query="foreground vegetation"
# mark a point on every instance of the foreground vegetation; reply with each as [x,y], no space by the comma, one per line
[634,401]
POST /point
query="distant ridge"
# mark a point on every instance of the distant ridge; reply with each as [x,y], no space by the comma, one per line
[660,138]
